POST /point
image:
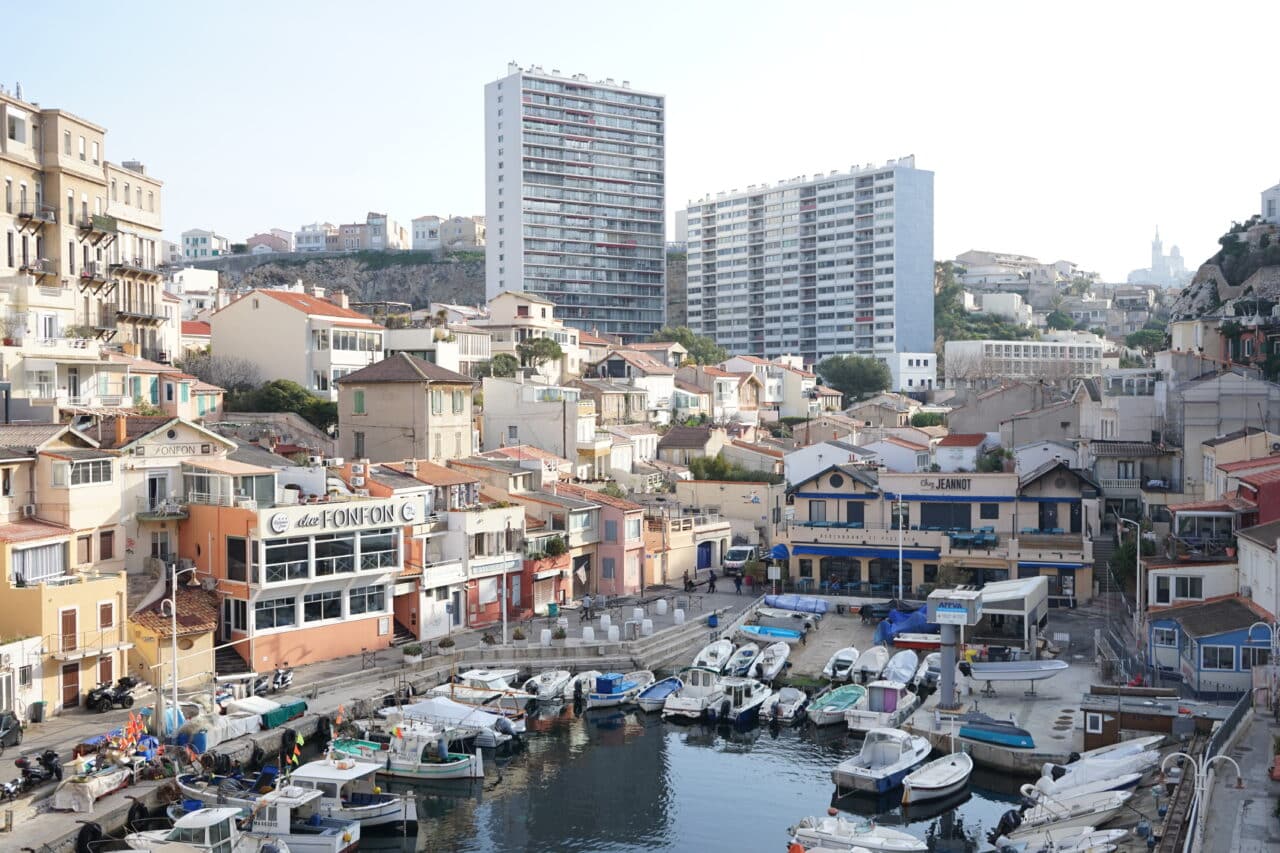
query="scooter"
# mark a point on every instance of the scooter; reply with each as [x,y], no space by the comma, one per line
[9,791]
[46,768]
[104,697]
[281,679]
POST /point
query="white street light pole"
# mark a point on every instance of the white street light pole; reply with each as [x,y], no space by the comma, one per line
[1139,615]
[172,601]
[897,513]
[506,579]
[1201,772]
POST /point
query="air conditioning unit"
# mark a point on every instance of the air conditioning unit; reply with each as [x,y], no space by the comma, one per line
[315,461]
[363,493]
[335,462]
[6,660]
[247,503]
[357,481]
[28,510]
[357,468]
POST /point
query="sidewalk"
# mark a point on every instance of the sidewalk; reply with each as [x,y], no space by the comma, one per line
[1242,820]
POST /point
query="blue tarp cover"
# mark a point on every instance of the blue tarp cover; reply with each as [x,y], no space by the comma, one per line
[898,622]
[799,603]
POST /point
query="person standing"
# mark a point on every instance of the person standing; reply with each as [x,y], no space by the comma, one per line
[711,581]
[586,604]
[737,584]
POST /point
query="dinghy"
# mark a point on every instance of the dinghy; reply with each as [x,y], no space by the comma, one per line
[714,655]
[1090,769]
[766,634]
[901,667]
[828,707]
[870,664]
[937,779]
[983,729]
[653,697]
[548,686]
[840,665]
[886,757]
[771,662]
[785,706]
[1073,784]
[613,689]
[742,659]
[1118,750]
[838,833]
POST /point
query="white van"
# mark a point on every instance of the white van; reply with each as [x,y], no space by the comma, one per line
[737,557]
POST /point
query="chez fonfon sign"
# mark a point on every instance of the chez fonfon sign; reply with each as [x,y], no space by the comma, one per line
[343,516]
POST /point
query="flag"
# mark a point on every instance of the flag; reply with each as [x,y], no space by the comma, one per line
[300,740]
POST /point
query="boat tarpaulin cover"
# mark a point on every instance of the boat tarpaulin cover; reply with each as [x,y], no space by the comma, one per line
[801,603]
[899,622]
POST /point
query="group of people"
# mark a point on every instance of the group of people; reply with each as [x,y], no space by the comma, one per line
[690,585]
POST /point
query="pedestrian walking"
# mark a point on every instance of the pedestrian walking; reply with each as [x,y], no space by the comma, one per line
[586,605]
[737,584]
[711,581]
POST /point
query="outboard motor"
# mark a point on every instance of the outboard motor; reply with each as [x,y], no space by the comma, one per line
[504,725]
[725,709]
[577,690]
[1009,822]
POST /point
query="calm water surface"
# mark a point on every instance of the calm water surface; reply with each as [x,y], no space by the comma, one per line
[626,781]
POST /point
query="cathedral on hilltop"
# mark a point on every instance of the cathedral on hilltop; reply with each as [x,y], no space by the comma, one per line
[1165,270]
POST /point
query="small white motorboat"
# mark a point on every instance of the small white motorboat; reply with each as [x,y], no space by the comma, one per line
[870,664]
[741,703]
[840,666]
[838,833]
[889,704]
[929,671]
[886,757]
[653,697]
[491,688]
[714,655]
[771,663]
[701,690]
[901,667]
[1091,809]
[937,779]
[288,813]
[1092,769]
[613,689]
[549,685]
[1068,839]
[743,657]
[1098,841]
[1081,784]
[213,830]
[829,706]
[1014,670]
[785,706]
[582,684]
[1118,750]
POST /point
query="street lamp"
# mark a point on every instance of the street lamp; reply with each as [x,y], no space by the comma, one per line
[1139,615]
[1274,655]
[172,602]
[1201,772]
[899,509]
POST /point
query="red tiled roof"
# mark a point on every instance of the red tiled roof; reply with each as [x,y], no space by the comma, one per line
[715,371]
[1227,504]
[690,388]
[902,442]
[310,304]
[196,328]
[524,451]
[591,340]
[197,613]
[597,497]
[644,361]
[1246,464]
[963,439]
[436,475]
[1258,478]
[828,392]
[31,528]
[758,448]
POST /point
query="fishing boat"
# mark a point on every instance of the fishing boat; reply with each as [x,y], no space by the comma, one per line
[549,685]
[829,707]
[743,657]
[206,831]
[922,642]
[714,655]
[491,688]
[771,663]
[870,664]
[350,791]
[839,833]
[785,706]
[886,757]
[840,665]
[1093,809]
[493,728]
[290,814]
[1118,749]
[580,685]
[768,634]
[929,671]
[613,689]
[1080,784]
[889,704]
[937,779]
[415,752]
[901,667]
[741,703]
[980,728]
[653,697]
[701,690]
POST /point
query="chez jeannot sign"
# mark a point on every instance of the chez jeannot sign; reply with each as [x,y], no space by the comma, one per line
[946,484]
[343,516]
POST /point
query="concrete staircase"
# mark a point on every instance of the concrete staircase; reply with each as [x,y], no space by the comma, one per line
[1104,547]
[228,662]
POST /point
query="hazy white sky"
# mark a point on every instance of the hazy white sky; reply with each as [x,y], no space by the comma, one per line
[1064,131]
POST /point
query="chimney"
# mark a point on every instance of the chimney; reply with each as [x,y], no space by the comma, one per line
[411,467]
[339,298]
[121,431]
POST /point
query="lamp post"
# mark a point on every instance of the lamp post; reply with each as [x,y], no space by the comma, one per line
[898,506]
[505,580]
[1201,772]
[172,602]
[1139,615]
[1274,648]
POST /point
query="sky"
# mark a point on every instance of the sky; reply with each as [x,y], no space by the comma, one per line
[1063,130]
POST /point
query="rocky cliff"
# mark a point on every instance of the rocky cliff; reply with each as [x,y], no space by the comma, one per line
[1246,269]
[418,278]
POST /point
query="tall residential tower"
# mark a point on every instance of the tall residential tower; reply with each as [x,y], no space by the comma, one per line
[575,197]
[834,264]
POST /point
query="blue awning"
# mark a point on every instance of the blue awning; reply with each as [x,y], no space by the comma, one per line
[882,553]
[1038,565]
[952,498]
[779,552]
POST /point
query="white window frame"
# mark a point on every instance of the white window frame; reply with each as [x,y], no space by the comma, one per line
[1171,633]
[1093,723]
[1203,668]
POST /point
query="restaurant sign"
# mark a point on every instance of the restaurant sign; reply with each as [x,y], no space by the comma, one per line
[345,515]
[946,484]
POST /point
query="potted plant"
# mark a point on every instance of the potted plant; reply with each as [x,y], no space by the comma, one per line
[11,325]
[519,638]
[445,643]
[488,639]
[412,653]
[558,636]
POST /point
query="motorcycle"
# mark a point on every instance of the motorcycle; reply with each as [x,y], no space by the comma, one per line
[9,791]
[46,768]
[104,697]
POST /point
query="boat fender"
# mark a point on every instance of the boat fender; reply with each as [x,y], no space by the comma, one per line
[443,749]
[137,816]
[89,838]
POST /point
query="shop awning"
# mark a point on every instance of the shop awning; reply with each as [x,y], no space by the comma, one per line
[779,552]
[547,575]
[882,553]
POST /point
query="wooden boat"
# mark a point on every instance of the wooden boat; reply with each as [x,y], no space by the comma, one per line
[889,704]
[290,814]
[415,752]
[785,706]
[840,666]
[653,697]
[614,689]
[828,707]
[702,688]
[937,779]
[839,833]
[205,831]
[870,664]
[743,657]
[923,642]
[983,729]
[714,655]
[771,663]
[886,757]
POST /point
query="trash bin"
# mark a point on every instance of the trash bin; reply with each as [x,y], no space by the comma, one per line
[553,610]
[713,620]
[37,712]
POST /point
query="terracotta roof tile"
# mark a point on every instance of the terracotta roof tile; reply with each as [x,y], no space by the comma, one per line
[403,367]
[758,448]
[1249,464]
[196,328]
[31,528]
[309,304]
[598,497]
[959,439]
[197,613]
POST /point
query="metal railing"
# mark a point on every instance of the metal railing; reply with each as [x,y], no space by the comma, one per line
[38,266]
[93,271]
[38,212]
[93,640]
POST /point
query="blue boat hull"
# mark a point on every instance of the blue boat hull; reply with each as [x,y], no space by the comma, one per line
[1009,740]
[745,717]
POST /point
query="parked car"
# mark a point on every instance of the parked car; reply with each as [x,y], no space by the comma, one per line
[737,557]
[10,730]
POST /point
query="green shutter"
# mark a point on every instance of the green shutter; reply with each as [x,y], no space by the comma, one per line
[186,392]
[357,402]
[155,390]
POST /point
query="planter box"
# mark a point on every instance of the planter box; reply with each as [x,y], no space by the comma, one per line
[521,644]
[412,659]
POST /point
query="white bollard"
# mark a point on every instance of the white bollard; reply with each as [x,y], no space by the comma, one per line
[614,633]
[545,638]
[646,628]
[588,634]
[662,607]
[679,616]
[637,614]
[562,622]
[605,621]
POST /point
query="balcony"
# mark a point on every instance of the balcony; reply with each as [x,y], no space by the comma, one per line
[600,444]
[139,313]
[35,216]
[97,228]
[1120,487]
[136,267]
[93,273]
[39,267]
[168,509]
[87,644]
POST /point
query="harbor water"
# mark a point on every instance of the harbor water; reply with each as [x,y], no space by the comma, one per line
[625,781]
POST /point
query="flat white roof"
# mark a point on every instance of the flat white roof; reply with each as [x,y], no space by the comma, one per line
[327,771]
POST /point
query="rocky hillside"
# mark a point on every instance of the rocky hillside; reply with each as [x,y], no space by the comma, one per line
[1245,270]
[418,278]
